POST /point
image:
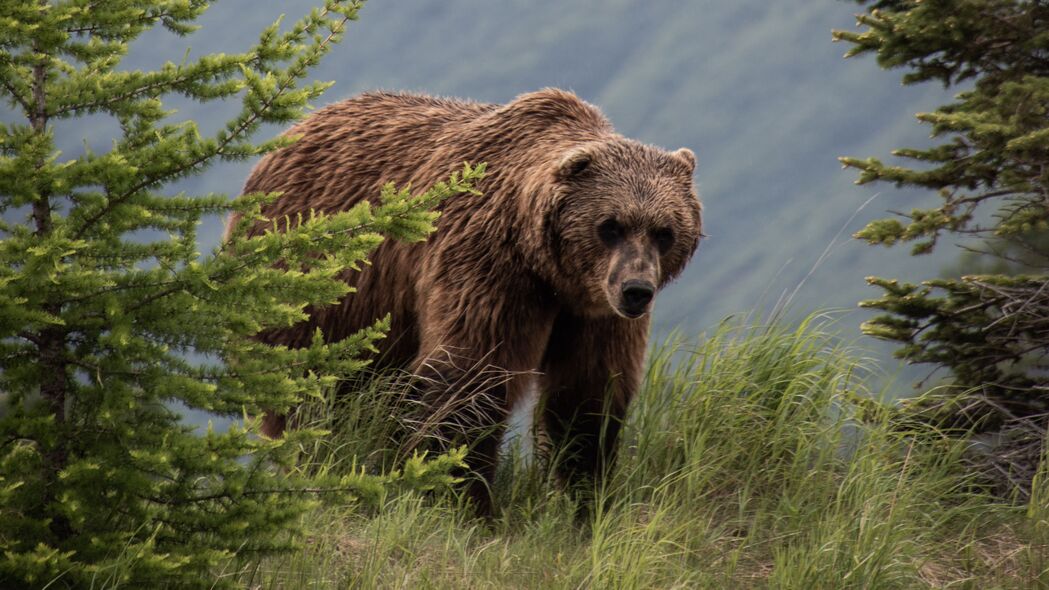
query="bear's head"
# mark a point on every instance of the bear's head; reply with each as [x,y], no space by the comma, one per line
[622,219]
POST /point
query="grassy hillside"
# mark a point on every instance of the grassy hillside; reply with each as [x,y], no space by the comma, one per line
[752,457]
[756,88]
[743,466]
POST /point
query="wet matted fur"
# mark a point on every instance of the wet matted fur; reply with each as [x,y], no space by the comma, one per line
[548,276]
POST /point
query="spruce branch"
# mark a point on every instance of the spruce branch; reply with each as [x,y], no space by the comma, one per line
[226,137]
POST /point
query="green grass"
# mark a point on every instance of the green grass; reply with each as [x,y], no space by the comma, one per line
[743,465]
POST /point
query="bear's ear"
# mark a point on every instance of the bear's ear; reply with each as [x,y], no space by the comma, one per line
[686,156]
[575,163]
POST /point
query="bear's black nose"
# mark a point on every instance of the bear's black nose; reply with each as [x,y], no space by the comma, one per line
[636,295]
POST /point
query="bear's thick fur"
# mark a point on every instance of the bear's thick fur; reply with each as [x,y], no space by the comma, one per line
[548,275]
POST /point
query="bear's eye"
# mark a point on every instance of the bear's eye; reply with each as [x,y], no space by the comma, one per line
[664,239]
[610,232]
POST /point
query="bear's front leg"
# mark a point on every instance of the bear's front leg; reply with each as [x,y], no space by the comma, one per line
[478,352]
[591,370]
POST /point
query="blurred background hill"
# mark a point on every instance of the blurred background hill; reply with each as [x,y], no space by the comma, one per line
[757,89]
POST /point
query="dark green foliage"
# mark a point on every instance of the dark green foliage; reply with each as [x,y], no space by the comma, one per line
[991,170]
[110,319]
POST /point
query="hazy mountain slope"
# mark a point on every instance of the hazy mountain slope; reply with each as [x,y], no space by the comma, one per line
[756,88]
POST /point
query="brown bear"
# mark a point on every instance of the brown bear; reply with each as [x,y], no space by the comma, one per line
[548,276]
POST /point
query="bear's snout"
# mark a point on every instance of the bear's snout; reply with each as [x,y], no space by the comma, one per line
[636,295]
[632,277]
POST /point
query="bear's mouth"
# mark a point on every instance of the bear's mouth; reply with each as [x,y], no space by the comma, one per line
[631,314]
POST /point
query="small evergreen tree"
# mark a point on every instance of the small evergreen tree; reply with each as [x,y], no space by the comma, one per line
[991,170]
[110,319]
